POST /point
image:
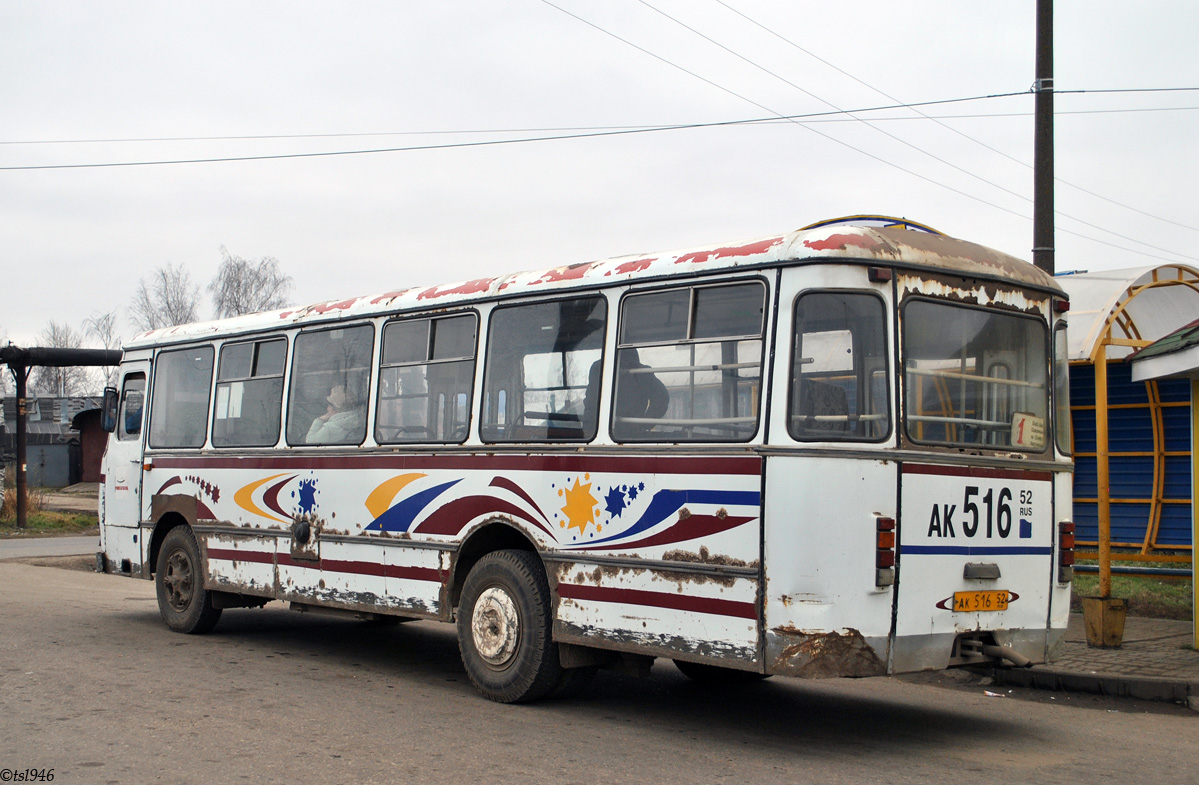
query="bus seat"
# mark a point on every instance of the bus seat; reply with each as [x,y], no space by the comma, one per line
[822,399]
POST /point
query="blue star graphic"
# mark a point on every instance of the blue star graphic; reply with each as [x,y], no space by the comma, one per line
[615,503]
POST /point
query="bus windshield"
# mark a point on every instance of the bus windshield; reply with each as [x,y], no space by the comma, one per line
[974,377]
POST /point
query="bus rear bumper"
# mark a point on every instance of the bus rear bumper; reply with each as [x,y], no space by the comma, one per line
[939,651]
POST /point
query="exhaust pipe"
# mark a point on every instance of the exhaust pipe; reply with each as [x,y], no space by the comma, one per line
[1007,653]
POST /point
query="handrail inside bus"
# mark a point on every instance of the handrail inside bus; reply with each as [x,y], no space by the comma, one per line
[839,418]
[973,377]
[959,421]
[682,368]
[682,421]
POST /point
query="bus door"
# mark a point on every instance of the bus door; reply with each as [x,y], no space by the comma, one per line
[976,565]
[122,492]
[830,479]
[976,526]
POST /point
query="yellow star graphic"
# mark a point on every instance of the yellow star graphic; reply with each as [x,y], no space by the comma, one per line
[580,506]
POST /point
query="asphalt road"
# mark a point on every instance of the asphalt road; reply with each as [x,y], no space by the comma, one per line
[24,547]
[94,686]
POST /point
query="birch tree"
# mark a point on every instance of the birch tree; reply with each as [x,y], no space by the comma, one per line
[166,299]
[242,286]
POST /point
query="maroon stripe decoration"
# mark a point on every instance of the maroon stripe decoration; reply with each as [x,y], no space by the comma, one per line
[229,554]
[451,517]
[973,471]
[330,565]
[654,599]
[643,464]
[686,529]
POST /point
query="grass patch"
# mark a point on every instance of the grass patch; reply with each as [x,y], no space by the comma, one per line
[40,522]
[1150,597]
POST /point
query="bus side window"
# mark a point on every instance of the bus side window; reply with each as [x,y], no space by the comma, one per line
[133,397]
[330,385]
[249,394]
[538,371]
[689,364]
[839,368]
[179,400]
[428,368]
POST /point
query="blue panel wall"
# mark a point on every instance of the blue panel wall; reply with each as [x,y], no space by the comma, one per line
[1131,430]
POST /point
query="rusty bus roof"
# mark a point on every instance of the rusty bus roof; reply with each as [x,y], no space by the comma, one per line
[862,244]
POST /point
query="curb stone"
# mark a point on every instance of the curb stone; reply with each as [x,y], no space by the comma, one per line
[1178,691]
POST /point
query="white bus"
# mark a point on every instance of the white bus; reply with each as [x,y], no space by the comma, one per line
[842,451]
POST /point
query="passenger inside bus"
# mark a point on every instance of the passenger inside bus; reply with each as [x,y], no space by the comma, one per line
[340,423]
[640,395]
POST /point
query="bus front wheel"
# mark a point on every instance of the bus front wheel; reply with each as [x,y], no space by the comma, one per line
[504,632]
[185,605]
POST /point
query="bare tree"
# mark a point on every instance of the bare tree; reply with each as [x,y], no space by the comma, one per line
[4,374]
[102,327]
[168,299]
[71,380]
[242,286]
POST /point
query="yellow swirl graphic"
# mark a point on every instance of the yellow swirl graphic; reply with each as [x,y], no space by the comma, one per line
[380,498]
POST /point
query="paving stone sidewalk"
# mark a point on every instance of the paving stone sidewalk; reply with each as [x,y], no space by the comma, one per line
[1157,661]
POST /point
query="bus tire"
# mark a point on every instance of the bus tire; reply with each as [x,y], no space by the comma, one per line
[715,674]
[185,605]
[504,634]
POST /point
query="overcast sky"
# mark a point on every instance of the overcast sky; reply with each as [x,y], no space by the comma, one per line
[76,77]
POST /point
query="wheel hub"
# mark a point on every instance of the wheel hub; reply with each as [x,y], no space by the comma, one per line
[495,626]
[178,580]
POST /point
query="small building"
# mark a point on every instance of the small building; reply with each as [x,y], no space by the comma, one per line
[56,454]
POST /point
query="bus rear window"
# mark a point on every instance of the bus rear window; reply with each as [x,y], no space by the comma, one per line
[974,377]
[839,368]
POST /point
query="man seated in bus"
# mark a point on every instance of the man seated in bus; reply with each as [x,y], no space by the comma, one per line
[640,395]
[341,422]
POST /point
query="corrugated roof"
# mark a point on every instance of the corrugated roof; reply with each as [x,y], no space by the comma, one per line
[1183,338]
[1152,302]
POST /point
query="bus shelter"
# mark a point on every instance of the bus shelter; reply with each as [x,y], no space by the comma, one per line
[1177,357]
[1132,451]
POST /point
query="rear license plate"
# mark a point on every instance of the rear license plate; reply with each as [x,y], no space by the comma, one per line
[977,601]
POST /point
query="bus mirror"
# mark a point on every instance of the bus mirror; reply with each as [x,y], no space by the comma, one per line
[108,414]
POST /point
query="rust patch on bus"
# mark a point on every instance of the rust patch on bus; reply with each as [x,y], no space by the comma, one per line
[706,557]
[824,655]
[306,532]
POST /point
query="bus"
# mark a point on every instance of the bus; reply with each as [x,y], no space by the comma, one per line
[843,451]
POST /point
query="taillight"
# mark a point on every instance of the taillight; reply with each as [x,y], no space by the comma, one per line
[1065,551]
[884,553]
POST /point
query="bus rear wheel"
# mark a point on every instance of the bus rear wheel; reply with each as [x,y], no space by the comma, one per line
[185,605]
[504,633]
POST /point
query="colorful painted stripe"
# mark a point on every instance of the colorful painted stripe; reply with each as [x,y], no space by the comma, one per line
[330,565]
[654,599]
[644,464]
[975,550]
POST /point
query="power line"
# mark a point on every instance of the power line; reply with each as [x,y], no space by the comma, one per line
[768,109]
[489,142]
[774,118]
[816,117]
[810,94]
[890,97]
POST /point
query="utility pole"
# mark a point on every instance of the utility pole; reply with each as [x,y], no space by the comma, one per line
[1042,206]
